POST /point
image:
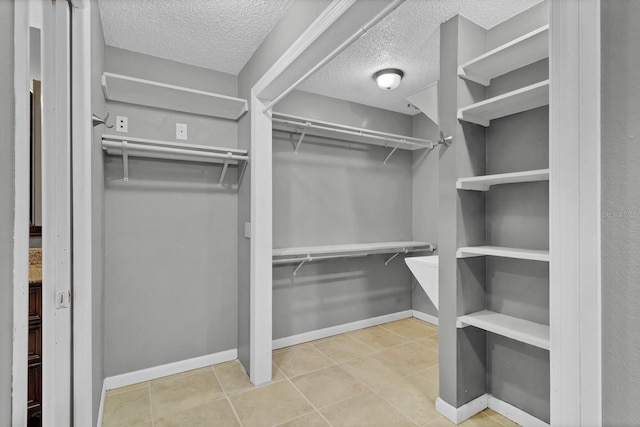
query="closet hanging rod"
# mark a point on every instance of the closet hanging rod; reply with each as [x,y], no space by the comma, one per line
[422,143]
[170,144]
[133,147]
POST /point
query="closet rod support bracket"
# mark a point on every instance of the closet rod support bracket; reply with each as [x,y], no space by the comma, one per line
[394,150]
[224,169]
[404,251]
[302,135]
[308,258]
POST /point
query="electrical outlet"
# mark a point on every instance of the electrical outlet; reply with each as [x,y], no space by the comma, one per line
[122,124]
[181,131]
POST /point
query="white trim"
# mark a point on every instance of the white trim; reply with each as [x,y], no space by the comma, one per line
[515,414]
[21,214]
[103,397]
[81,135]
[425,317]
[466,411]
[261,244]
[160,371]
[339,329]
[574,157]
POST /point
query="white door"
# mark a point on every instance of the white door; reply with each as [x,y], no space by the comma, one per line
[56,215]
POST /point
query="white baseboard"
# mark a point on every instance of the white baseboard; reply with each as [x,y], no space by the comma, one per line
[339,329]
[101,408]
[479,404]
[466,411]
[425,317]
[149,374]
[516,415]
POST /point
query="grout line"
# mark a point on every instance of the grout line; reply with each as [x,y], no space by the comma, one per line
[226,395]
[309,402]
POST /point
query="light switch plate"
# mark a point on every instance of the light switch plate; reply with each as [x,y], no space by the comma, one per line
[122,124]
[181,131]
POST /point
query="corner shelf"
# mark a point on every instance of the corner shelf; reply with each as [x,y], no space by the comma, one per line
[132,90]
[517,101]
[515,54]
[302,255]
[484,183]
[311,127]
[504,252]
[525,331]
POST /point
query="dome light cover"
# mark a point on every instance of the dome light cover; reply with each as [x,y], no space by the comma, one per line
[389,78]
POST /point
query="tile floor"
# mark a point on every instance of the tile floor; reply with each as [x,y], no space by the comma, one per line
[381,376]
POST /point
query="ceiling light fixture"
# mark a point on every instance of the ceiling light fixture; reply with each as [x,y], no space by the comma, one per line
[389,78]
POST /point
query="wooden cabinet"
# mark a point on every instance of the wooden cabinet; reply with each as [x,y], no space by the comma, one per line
[34,392]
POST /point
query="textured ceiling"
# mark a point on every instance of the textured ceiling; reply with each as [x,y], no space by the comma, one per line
[217,34]
[407,39]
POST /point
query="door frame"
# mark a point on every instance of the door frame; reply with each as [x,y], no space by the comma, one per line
[22,192]
[574,190]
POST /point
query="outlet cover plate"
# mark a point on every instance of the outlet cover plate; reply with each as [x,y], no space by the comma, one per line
[122,124]
[181,131]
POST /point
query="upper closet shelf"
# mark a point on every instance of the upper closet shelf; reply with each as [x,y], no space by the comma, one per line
[149,148]
[484,183]
[518,53]
[500,251]
[526,331]
[304,127]
[517,101]
[305,254]
[137,91]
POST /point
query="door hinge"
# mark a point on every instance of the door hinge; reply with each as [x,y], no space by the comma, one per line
[63,299]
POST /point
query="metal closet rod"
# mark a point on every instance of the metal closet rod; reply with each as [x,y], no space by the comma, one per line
[134,147]
[362,133]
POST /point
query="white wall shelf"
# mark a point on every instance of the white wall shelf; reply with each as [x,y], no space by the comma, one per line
[484,183]
[504,252]
[532,333]
[311,127]
[149,148]
[518,53]
[517,101]
[132,90]
[302,255]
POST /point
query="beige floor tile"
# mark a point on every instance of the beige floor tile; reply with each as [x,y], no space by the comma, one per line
[414,396]
[378,337]
[439,422]
[500,418]
[342,348]
[432,374]
[411,328]
[430,342]
[300,361]
[481,420]
[408,358]
[314,419]
[180,392]
[370,371]
[293,347]
[368,410]
[129,408]
[328,386]
[217,412]
[131,387]
[270,405]
[234,378]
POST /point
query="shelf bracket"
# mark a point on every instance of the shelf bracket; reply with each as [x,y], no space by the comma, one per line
[125,160]
[302,135]
[404,251]
[308,258]
[394,150]
[224,170]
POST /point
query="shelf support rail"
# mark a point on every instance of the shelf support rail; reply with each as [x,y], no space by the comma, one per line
[125,160]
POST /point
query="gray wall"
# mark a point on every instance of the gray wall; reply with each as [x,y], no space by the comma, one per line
[620,212]
[425,201]
[170,232]
[299,15]
[331,192]
[98,106]
[7,129]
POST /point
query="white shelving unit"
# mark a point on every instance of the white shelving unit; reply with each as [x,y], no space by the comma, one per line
[132,90]
[532,333]
[504,252]
[517,101]
[518,53]
[484,183]
[117,145]
[311,127]
[302,255]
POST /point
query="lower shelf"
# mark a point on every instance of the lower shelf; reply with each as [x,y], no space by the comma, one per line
[517,329]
